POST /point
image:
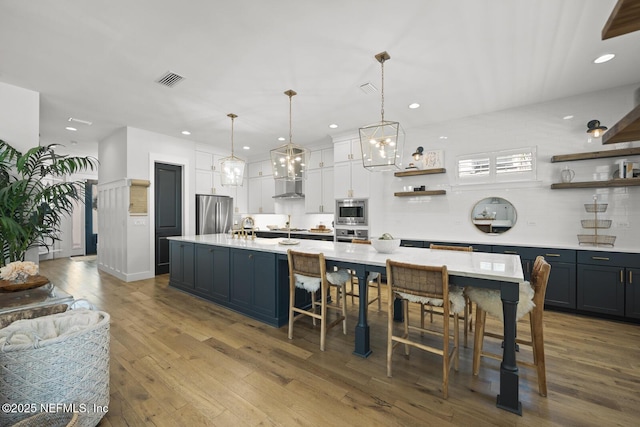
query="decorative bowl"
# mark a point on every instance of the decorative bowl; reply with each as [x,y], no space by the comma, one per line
[385,246]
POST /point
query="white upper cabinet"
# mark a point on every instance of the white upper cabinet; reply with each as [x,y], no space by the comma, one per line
[261,192]
[350,178]
[318,197]
[257,169]
[204,160]
[347,150]
[320,159]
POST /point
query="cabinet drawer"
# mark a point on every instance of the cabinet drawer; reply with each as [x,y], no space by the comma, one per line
[617,259]
[412,243]
[550,255]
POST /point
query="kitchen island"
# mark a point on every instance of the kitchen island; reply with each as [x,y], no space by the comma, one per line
[251,276]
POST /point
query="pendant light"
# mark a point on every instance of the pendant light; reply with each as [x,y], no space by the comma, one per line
[382,143]
[232,168]
[289,161]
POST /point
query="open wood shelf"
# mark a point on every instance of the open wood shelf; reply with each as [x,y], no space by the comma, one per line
[420,172]
[420,193]
[625,182]
[596,155]
[627,129]
[624,18]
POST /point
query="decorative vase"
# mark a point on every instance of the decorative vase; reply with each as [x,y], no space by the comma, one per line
[30,282]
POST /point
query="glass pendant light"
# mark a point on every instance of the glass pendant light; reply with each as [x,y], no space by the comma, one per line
[231,168]
[289,161]
[382,143]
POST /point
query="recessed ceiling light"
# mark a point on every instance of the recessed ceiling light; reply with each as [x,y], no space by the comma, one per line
[414,105]
[246,147]
[281,138]
[186,132]
[71,129]
[333,125]
[604,58]
[444,137]
[569,117]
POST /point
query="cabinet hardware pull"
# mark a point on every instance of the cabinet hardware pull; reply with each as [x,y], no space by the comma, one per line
[621,276]
[600,258]
[250,256]
[630,277]
[511,252]
[552,255]
[210,250]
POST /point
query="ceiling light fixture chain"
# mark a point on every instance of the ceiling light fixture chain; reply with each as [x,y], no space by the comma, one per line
[290,93]
[381,57]
[233,117]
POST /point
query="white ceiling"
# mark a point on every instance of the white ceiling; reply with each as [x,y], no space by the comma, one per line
[97,60]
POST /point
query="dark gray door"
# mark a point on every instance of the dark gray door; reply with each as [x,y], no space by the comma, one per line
[168,211]
[90,214]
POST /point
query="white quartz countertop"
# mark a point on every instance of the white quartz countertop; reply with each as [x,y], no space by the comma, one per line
[483,265]
[284,232]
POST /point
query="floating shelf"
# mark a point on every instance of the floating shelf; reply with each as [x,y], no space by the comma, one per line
[413,172]
[624,19]
[627,129]
[596,155]
[420,193]
[626,182]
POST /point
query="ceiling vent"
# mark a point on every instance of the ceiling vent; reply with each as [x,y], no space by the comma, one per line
[368,88]
[170,79]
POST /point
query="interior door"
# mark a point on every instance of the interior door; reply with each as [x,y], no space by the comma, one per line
[90,217]
[168,211]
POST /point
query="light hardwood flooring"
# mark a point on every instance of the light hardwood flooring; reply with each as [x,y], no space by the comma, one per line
[177,360]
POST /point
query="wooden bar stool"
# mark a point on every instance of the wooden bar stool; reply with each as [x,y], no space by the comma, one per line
[308,271]
[423,285]
[532,302]
[466,317]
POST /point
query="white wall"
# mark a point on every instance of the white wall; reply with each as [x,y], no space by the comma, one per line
[20,112]
[131,153]
[546,217]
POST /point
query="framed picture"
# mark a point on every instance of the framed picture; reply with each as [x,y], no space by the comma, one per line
[433,159]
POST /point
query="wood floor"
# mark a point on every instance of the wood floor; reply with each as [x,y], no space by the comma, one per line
[177,360]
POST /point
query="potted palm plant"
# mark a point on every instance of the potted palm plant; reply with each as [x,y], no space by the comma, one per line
[34,197]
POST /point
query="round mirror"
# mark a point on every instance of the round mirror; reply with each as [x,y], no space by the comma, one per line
[493,215]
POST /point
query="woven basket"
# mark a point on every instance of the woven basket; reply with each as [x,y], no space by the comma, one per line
[71,370]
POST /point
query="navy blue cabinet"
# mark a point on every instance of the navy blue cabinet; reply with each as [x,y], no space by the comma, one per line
[603,280]
[212,272]
[561,287]
[181,265]
[632,293]
[253,283]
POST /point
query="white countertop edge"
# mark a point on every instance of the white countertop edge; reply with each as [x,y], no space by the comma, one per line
[480,265]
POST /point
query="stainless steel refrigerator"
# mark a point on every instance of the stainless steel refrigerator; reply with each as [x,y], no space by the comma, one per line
[214,214]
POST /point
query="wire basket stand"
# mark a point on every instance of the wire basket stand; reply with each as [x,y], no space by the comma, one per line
[596,224]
